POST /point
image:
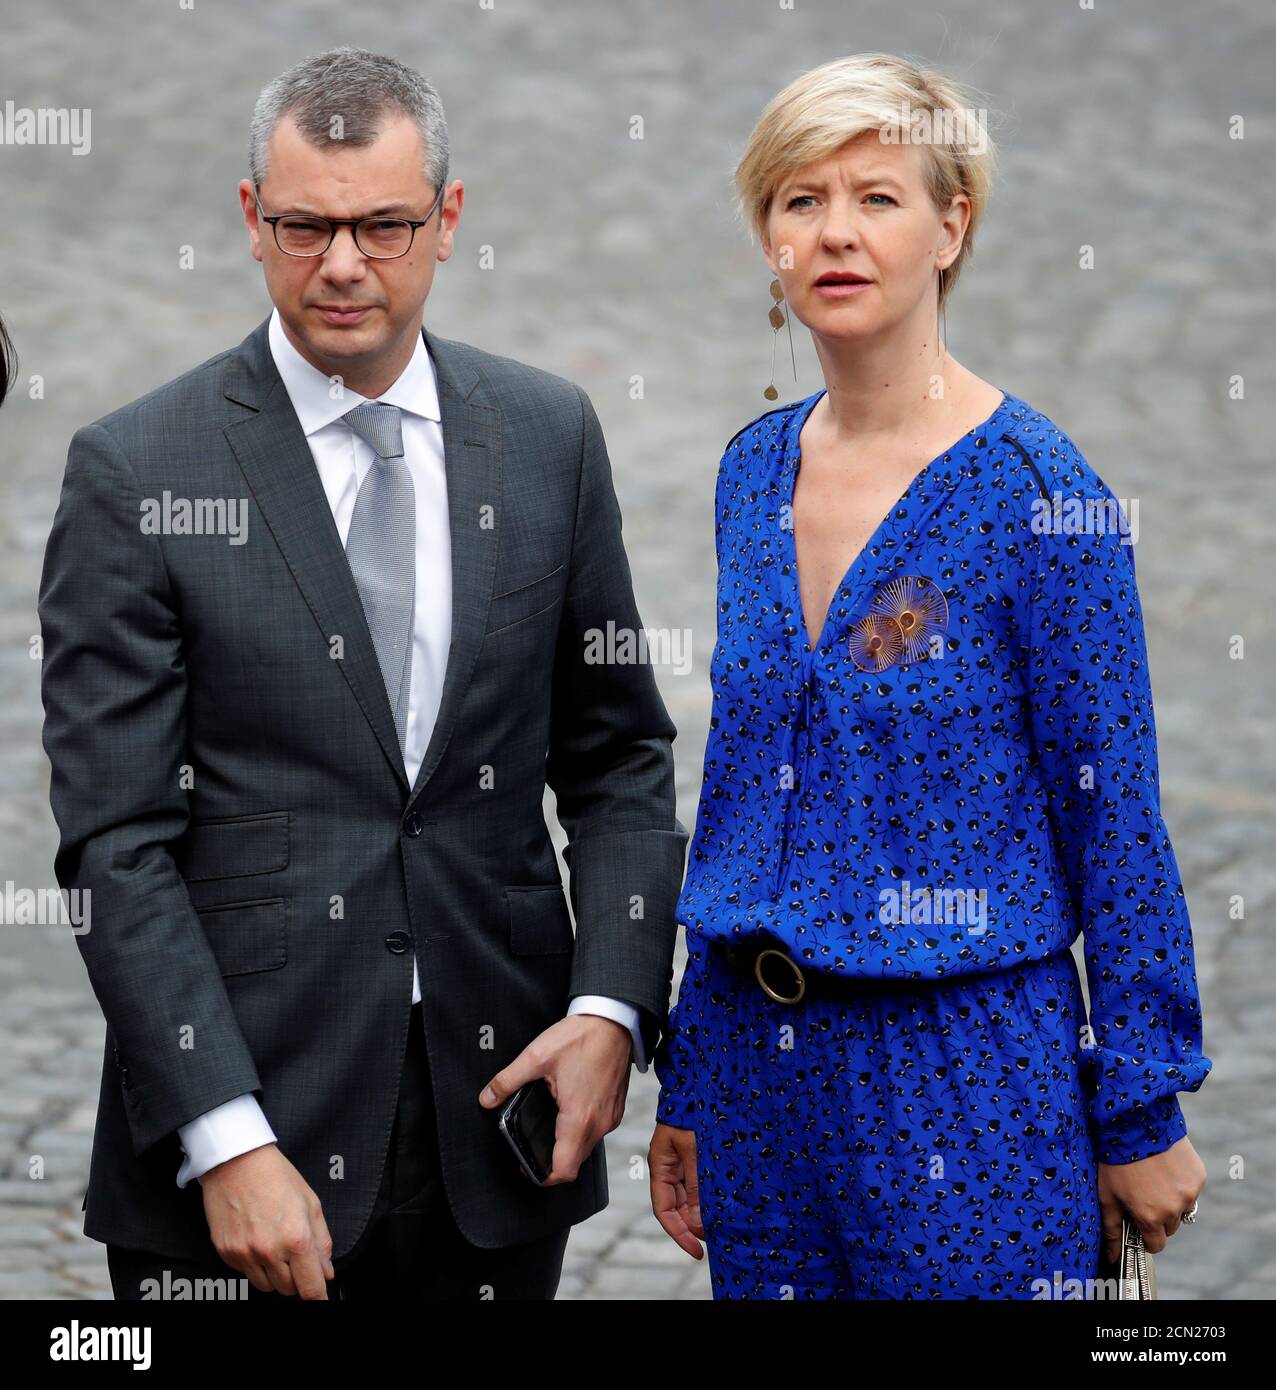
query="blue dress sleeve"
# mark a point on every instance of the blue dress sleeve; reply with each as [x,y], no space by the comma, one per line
[675,1059]
[671,1062]
[1095,737]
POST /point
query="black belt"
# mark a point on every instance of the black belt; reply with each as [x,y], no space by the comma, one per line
[782,979]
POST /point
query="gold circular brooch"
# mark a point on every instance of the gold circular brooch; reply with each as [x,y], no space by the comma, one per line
[876,642]
[918,606]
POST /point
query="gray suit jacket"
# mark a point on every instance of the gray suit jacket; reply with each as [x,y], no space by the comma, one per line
[227,782]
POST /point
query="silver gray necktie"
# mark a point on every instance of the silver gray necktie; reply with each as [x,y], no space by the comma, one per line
[381,549]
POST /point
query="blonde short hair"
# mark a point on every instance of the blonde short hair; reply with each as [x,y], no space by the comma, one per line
[821,110]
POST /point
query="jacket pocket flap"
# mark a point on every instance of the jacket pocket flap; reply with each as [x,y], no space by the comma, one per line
[234,847]
[540,924]
[247,937]
[525,600]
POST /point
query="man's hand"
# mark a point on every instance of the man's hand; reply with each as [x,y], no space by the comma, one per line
[675,1190]
[1154,1191]
[584,1059]
[266,1222]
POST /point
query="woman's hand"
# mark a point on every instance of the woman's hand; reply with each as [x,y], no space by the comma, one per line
[1154,1192]
[675,1192]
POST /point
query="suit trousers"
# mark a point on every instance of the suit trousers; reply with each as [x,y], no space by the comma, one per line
[411,1247]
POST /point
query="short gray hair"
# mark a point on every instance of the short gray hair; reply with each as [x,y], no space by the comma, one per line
[355,91]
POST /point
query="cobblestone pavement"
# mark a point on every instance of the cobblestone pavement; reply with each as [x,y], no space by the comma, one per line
[617,257]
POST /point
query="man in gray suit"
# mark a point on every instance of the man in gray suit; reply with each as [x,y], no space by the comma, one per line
[320,622]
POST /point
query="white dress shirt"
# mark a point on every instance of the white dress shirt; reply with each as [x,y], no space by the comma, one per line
[343,459]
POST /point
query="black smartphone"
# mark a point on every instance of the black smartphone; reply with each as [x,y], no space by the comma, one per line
[528,1122]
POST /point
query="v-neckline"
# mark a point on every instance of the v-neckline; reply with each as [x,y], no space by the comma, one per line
[793,466]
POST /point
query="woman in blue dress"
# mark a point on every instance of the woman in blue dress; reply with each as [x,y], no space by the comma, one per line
[931,764]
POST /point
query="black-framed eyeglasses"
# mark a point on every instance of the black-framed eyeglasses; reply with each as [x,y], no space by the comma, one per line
[380,238]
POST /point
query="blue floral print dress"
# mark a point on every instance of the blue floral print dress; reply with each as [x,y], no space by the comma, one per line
[959,778]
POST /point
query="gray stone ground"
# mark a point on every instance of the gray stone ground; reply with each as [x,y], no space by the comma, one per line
[616,257]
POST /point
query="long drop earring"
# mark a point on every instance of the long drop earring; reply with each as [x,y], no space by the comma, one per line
[939,300]
[778,319]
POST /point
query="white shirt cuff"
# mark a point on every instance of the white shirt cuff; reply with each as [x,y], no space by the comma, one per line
[619,1011]
[222,1133]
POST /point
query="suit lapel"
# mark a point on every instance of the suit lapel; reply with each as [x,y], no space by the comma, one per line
[279,468]
[472,459]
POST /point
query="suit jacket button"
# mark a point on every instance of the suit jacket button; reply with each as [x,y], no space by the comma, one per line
[412,825]
[398,942]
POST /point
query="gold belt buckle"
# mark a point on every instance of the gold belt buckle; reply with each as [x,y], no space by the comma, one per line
[792,964]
